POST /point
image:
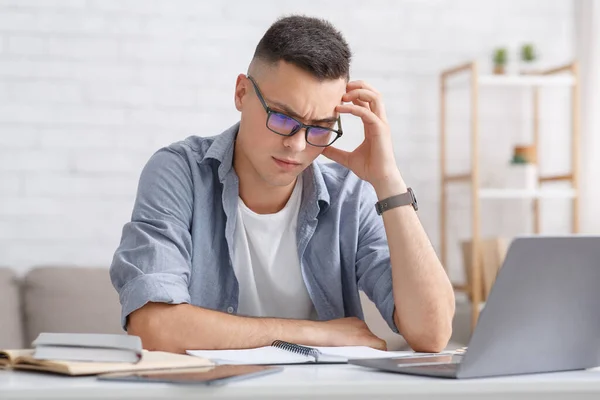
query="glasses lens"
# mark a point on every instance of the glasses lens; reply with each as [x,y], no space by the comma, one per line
[282,123]
[320,136]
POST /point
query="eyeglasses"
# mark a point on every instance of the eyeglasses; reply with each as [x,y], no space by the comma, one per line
[285,125]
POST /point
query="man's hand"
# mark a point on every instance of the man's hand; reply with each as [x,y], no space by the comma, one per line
[372,161]
[347,332]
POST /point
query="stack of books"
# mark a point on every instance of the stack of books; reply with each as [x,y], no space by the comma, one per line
[77,354]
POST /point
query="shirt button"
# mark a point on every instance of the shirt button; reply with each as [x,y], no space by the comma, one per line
[230,310]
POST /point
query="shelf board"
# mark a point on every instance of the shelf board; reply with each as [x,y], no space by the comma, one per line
[526,194]
[526,80]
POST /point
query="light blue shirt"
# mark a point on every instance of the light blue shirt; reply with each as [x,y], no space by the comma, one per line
[178,246]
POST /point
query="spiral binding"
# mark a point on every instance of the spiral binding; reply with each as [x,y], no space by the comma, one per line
[297,349]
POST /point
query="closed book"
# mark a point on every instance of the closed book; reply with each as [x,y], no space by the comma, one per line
[89,347]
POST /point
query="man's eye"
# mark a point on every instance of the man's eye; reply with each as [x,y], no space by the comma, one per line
[327,125]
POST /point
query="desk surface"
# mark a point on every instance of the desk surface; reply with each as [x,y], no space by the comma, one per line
[312,382]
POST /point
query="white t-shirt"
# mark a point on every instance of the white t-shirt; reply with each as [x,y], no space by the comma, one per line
[267,265]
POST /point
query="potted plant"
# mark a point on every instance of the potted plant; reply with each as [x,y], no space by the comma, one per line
[528,58]
[500,59]
[522,171]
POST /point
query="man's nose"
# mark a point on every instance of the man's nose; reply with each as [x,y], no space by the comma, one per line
[297,141]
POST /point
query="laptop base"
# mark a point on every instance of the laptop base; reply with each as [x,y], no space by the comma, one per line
[437,370]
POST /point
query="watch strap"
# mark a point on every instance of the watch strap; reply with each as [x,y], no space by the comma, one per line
[404,199]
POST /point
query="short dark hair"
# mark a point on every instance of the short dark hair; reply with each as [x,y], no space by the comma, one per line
[311,44]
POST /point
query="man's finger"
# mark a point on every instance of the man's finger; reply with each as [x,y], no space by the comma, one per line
[367,116]
[362,104]
[361,85]
[339,156]
[366,95]
[381,345]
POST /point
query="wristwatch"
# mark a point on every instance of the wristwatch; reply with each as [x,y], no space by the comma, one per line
[404,199]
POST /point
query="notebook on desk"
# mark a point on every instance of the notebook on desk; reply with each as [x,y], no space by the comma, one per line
[281,352]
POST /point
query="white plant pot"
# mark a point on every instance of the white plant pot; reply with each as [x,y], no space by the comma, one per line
[521,176]
[529,67]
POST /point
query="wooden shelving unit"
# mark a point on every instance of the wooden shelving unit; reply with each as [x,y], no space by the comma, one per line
[566,75]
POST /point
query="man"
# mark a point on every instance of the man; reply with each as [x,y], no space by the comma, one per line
[241,239]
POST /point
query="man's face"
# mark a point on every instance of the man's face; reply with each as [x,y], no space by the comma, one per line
[276,159]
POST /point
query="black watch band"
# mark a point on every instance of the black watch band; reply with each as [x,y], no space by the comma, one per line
[399,200]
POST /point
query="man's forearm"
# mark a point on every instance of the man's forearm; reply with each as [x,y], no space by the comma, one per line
[423,295]
[181,327]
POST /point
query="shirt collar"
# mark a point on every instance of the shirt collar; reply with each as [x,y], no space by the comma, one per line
[221,150]
[314,187]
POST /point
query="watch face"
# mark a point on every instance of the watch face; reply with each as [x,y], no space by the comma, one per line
[414,202]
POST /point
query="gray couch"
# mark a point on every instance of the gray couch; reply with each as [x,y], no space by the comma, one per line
[56,299]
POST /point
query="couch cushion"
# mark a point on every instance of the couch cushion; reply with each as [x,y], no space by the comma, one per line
[11,327]
[69,299]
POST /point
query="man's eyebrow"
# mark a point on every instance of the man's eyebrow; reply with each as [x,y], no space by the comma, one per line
[294,114]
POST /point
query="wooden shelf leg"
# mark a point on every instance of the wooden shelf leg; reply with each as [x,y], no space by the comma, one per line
[476,285]
[575,120]
[536,143]
[443,202]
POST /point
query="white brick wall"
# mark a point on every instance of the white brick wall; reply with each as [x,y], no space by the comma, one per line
[89,89]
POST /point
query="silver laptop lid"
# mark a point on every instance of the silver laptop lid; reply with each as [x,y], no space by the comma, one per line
[543,313]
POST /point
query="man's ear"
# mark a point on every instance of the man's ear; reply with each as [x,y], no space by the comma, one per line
[240,91]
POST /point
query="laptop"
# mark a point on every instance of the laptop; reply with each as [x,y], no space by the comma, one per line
[542,315]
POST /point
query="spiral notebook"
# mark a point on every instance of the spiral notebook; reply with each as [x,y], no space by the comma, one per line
[281,352]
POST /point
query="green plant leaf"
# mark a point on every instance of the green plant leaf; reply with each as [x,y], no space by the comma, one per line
[500,56]
[528,53]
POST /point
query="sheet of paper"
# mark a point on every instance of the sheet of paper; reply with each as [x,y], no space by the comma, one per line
[358,352]
[262,355]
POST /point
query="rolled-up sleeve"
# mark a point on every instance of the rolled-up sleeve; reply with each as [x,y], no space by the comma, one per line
[373,266]
[153,260]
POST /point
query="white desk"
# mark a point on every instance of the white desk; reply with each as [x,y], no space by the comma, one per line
[312,382]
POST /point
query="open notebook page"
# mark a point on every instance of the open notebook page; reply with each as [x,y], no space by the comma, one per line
[261,355]
[356,352]
[273,355]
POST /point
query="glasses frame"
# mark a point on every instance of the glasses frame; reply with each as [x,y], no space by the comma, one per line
[301,125]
